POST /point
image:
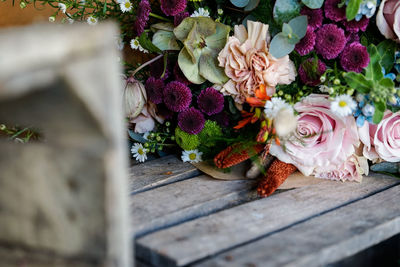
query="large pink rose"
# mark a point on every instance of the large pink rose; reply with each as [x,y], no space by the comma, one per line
[382,141]
[388,19]
[322,140]
[248,64]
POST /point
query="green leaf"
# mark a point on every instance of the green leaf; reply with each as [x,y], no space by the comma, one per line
[209,68]
[105,8]
[380,108]
[147,44]
[252,5]
[287,30]
[218,40]
[165,40]
[374,69]
[299,26]
[358,82]
[387,83]
[280,46]
[352,9]
[387,51]
[240,3]
[313,4]
[285,10]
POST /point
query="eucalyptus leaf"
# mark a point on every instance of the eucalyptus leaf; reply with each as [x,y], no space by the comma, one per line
[280,46]
[240,3]
[287,30]
[313,4]
[352,9]
[137,137]
[252,5]
[390,167]
[299,26]
[358,82]
[165,40]
[285,10]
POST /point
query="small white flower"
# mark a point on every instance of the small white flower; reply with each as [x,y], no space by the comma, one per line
[139,152]
[146,135]
[119,43]
[323,88]
[91,20]
[343,105]
[201,12]
[52,19]
[62,7]
[273,106]
[192,156]
[220,11]
[125,6]
[135,45]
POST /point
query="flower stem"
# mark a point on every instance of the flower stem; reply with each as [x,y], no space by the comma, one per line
[159,17]
[146,64]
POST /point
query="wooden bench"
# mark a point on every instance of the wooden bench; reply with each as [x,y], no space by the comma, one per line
[182,217]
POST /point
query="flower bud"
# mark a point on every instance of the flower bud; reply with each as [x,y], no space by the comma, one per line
[368,110]
[285,122]
[135,99]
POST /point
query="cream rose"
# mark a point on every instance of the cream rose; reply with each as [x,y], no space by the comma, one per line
[322,139]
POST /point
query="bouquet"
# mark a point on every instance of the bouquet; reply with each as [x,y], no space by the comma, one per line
[308,85]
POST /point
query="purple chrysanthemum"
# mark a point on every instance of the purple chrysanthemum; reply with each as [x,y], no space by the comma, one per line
[314,17]
[330,41]
[355,57]
[333,12]
[179,76]
[310,71]
[142,17]
[352,37]
[355,26]
[221,118]
[210,101]
[179,17]
[306,45]
[191,121]
[177,96]
[157,69]
[173,7]
[154,90]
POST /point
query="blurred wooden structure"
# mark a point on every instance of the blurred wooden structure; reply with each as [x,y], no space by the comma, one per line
[63,200]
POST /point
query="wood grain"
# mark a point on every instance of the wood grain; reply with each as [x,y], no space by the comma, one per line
[323,239]
[207,236]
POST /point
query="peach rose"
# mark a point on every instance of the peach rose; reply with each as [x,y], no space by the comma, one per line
[248,64]
[322,141]
[382,141]
[388,19]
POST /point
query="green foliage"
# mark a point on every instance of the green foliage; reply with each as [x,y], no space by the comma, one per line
[210,131]
[352,9]
[284,42]
[147,44]
[313,4]
[186,141]
[248,5]
[285,10]
[240,3]
[387,51]
[266,7]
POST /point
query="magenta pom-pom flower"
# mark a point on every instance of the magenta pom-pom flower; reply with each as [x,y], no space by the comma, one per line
[355,26]
[179,17]
[154,89]
[333,11]
[306,45]
[352,37]
[142,16]
[177,96]
[310,71]
[355,57]
[330,41]
[210,101]
[314,17]
[173,7]
[191,121]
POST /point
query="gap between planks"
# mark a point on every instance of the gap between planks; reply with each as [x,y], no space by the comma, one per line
[201,238]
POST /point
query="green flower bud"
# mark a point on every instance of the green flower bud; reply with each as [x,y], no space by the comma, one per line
[167,124]
[322,78]
[336,81]
[350,91]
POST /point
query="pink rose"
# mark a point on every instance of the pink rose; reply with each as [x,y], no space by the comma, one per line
[382,141]
[388,19]
[248,64]
[322,139]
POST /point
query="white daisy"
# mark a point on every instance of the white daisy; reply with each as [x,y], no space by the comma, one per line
[125,6]
[135,45]
[139,152]
[62,7]
[273,106]
[91,20]
[52,19]
[343,105]
[192,156]
[201,12]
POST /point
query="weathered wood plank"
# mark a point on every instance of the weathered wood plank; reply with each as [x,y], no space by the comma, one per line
[206,236]
[323,239]
[178,202]
[159,172]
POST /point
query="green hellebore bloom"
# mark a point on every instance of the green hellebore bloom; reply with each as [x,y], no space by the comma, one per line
[203,39]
